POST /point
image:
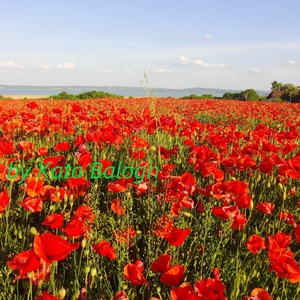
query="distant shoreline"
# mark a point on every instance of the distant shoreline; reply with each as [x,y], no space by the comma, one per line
[41,97]
[21,91]
[16,97]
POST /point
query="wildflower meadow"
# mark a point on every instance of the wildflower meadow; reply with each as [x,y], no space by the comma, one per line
[149,198]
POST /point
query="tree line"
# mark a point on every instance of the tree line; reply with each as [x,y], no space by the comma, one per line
[284,92]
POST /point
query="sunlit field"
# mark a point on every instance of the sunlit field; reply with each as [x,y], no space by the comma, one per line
[149,199]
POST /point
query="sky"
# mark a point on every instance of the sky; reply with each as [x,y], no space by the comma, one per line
[233,44]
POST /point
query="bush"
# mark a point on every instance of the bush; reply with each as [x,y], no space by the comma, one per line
[86,95]
[195,96]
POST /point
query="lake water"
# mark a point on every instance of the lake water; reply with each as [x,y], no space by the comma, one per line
[15,90]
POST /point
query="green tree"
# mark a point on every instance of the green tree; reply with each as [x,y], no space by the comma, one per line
[249,94]
[290,90]
[229,96]
[276,86]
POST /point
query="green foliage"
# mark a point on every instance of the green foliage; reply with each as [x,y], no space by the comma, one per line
[86,95]
[249,94]
[195,96]
[229,96]
[3,97]
[276,86]
[290,91]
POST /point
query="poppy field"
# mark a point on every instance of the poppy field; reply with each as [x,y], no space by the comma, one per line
[206,207]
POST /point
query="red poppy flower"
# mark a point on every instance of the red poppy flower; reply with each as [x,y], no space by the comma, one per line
[32,204]
[62,146]
[163,226]
[32,104]
[33,186]
[50,247]
[255,243]
[277,245]
[117,186]
[25,262]
[165,154]
[239,221]
[4,200]
[266,167]
[226,212]
[54,220]
[78,186]
[79,140]
[42,151]
[85,212]
[117,207]
[121,295]
[46,296]
[6,147]
[243,200]
[288,147]
[105,249]
[75,228]
[184,292]
[173,276]
[133,273]
[259,294]
[210,168]
[210,289]
[161,264]
[288,218]
[139,142]
[49,192]
[265,207]
[279,240]
[297,233]
[53,162]
[177,236]
[139,154]
[85,159]
[287,267]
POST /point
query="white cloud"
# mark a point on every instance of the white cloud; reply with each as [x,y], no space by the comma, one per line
[291,62]
[128,72]
[105,71]
[64,66]
[208,36]
[257,70]
[254,70]
[160,70]
[9,65]
[198,62]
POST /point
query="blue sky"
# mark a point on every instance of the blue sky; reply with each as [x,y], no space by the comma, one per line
[232,44]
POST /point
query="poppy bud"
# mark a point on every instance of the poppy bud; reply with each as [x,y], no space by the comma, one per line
[62,293]
[33,231]
[87,269]
[93,271]
[251,204]
[187,214]
[284,196]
